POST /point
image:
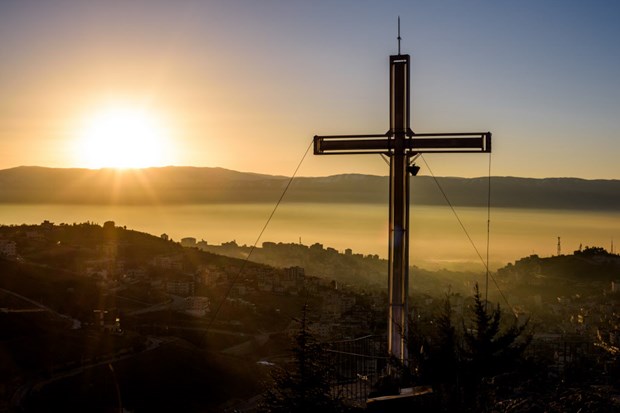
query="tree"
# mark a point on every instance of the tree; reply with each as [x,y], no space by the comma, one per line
[445,360]
[305,386]
[487,351]
[460,360]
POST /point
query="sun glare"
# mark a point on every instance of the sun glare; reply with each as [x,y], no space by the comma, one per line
[123,138]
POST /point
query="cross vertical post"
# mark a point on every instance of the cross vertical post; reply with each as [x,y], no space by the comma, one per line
[400,144]
[398,271]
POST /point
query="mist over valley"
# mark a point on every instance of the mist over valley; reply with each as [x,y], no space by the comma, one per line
[344,211]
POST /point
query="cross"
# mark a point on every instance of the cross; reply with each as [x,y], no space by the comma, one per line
[401,145]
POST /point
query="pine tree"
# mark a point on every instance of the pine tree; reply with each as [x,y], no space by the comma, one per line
[488,351]
[305,386]
[436,353]
[459,361]
[447,351]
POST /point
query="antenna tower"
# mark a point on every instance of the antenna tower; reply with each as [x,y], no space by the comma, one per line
[559,247]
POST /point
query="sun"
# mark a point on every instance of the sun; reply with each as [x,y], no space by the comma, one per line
[123,137]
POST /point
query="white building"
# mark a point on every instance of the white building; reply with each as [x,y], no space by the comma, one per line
[197,306]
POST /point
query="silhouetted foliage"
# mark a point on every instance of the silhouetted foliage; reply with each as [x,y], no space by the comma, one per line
[460,362]
[305,385]
[487,351]
[485,344]
[446,362]
[592,251]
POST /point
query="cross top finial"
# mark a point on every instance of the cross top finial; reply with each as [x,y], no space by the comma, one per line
[399,38]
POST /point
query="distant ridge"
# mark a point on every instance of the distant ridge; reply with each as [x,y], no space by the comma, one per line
[176,185]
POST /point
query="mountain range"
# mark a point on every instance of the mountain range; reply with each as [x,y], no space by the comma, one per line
[177,185]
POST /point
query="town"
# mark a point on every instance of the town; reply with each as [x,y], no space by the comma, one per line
[79,298]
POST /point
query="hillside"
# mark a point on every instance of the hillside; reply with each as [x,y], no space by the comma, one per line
[92,312]
[181,185]
[76,300]
[583,273]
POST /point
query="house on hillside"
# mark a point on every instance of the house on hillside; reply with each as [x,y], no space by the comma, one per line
[180,286]
[209,275]
[168,262]
[35,234]
[188,242]
[8,248]
[197,306]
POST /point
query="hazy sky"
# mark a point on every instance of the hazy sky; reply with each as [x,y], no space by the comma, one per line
[246,84]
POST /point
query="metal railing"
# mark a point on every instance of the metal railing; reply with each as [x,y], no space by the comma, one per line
[356,366]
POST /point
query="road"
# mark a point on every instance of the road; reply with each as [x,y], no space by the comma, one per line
[75,323]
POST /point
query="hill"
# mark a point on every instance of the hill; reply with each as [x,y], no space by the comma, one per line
[583,273]
[590,265]
[149,354]
[184,185]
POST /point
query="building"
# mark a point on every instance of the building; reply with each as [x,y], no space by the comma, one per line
[169,262]
[8,248]
[180,287]
[209,275]
[292,280]
[35,234]
[197,306]
[47,225]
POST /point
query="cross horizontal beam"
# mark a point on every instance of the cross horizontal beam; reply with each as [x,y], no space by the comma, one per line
[414,143]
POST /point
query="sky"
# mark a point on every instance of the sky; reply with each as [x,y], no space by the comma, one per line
[245,85]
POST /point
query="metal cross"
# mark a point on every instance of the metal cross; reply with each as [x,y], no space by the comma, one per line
[400,144]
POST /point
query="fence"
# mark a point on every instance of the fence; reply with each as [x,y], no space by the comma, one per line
[357,364]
